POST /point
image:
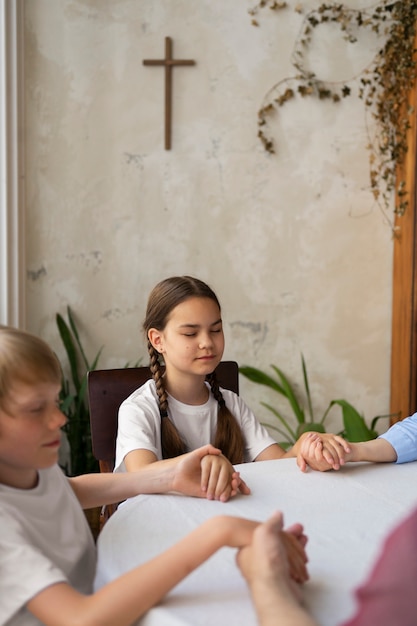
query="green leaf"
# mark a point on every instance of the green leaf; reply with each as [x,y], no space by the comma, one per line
[326,412]
[355,426]
[307,426]
[93,365]
[290,395]
[259,377]
[66,404]
[83,389]
[280,431]
[307,388]
[70,348]
[378,417]
[77,338]
[281,419]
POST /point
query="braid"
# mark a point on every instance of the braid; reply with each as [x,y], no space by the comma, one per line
[163,299]
[229,436]
[157,373]
[171,442]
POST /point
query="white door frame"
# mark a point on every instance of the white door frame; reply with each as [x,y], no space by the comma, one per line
[12,175]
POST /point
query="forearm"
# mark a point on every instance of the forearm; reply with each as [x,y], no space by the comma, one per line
[274,602]
[104,488]
[127,598]
[144,587]
[374,451]
[272,452]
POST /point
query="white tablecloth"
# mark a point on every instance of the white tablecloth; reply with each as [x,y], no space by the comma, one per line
[346,515]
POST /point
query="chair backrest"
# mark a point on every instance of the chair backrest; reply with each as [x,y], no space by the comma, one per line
[108,388]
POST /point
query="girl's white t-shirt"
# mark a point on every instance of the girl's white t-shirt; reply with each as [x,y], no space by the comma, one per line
[139,424]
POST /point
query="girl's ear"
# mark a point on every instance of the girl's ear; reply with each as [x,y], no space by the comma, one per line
[155,337]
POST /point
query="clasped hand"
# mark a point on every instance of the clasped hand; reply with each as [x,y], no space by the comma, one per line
[321,451]
[206,473]
[275,554]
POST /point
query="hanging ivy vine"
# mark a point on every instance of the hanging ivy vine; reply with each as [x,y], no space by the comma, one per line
[384,85]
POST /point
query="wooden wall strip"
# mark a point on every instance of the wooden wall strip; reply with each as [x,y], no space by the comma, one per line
[404,307]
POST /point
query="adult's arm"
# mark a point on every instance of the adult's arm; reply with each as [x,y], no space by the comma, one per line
[403,438]
[265,566]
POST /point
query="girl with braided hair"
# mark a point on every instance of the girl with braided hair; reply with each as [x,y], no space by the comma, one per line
[182,407]
[183,404]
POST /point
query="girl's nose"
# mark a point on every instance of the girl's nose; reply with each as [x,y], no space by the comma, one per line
[205,341]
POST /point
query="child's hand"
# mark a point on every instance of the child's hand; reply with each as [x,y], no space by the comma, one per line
[321,451]
[219,480]
[275,555]
[187,474]
[240,533]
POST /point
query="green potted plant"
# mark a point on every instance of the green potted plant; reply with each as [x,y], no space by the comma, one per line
[355,427]
[73,398]
[78,456]
[74,404]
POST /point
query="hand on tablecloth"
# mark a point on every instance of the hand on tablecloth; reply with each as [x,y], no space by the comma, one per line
[271,565]
[219,479]
[192,473]
[295,542]
[321,451]
[275,553]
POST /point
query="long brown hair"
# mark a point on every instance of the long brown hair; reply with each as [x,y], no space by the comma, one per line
[164,297]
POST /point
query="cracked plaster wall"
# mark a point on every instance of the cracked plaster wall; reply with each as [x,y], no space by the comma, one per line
[293,244]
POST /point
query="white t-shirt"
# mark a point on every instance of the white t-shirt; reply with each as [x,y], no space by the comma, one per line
[44,539]
[140,424]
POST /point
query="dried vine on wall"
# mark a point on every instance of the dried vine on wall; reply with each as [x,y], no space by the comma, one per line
[384,85]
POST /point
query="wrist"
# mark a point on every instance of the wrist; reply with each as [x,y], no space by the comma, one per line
[159,476]
[216,532]
[273,595]
[355,452]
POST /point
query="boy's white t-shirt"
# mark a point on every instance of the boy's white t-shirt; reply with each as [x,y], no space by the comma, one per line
[139,425]
[44,539]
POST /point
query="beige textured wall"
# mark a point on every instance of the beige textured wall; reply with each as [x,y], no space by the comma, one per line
[293,244]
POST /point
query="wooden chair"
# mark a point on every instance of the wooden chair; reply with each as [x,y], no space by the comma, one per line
[106,390]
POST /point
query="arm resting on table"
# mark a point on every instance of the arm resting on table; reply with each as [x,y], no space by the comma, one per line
[127,598]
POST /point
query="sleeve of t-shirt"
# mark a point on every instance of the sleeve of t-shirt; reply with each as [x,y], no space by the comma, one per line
[137,428]
[403,438]
[24,570]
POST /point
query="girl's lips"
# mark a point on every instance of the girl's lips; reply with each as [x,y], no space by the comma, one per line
[53,444]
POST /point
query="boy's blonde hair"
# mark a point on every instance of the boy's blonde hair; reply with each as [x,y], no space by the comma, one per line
[25,358]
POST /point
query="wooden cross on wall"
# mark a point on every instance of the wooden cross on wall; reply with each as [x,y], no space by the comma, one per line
[169,63]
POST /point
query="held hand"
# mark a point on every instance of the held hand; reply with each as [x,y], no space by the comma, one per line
[321,451]
[238,532]
[219,480]
[295,542]
[187,473]
[275,557]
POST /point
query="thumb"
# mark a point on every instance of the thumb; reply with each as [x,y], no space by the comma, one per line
[276,521]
